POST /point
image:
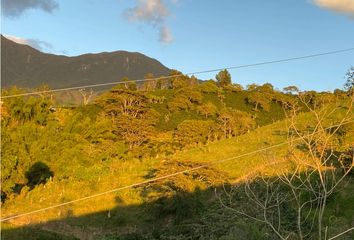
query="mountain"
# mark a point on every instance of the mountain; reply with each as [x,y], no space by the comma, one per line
[24,66]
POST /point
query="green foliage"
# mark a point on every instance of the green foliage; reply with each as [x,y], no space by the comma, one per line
[38,173]
[234,87]
[178,80]
[259,100]
[23,110]
[180,103]
[209,87]
[184,99]
[195,132]
[223,78]
[13,232]
[132,129]
[87,150]
[349,84]
[121,120]
[234,122]
[291,89]
[123,102]
[207,110]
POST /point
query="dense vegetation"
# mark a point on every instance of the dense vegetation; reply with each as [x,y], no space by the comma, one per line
[160,118]
[144,131]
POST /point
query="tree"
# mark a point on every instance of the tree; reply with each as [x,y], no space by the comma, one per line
[178,80]
[237,87]
[134,131]
[37,174]
[208,109]
[267,88]
[163,83]
[132,86]
[21,111]
[291,89]
[133,120]
[123,102]
[252,87]
[195,132]
[223,78]
[150,82]
[234,122]
[184,99]
[209,87]
[193,81]
[125,81]
[86,96]
[234,88]
[349,84]
[293,203]
[44,92]
[180,103]
[259,100]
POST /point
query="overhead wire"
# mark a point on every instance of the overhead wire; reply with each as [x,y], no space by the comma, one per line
[159,178]
[178,75]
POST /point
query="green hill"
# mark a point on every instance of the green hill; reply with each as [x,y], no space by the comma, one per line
[92,159]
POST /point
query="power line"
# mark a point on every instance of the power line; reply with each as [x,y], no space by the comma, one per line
[141,183]
[161,178]
[178,75]
[342,233]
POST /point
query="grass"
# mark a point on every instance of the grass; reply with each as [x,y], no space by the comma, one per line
[30,233]
[126,208]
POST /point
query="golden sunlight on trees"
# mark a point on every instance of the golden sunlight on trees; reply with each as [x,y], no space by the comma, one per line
[294,203]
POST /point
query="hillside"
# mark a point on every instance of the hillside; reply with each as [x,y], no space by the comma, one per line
[129,135]
[182,207]
[24,66]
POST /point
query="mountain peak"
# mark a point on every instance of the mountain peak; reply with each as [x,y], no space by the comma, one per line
[24,66]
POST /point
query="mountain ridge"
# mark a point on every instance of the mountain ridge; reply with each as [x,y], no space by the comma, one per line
[24,66]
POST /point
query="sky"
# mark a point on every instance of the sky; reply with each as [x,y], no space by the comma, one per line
[197,35]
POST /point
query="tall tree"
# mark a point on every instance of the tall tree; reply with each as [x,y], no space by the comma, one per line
[124,102]
[349,84]
[223,78]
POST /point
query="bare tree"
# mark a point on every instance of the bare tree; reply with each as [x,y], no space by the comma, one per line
[86,96]
[293,203]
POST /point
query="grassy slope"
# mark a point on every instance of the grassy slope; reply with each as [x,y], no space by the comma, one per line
[128,172]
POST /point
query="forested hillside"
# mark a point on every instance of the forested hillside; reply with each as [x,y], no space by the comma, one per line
[52,154]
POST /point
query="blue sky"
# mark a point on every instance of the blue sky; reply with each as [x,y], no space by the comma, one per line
[195,35]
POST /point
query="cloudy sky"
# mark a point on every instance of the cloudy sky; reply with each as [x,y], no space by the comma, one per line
[194,35]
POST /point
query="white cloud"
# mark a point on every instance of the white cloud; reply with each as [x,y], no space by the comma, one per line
[15,8]
[154,13]
[341,6]
[151,11]
[35,43]
[165,35]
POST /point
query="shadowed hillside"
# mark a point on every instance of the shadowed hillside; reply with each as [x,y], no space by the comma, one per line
[24,66]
